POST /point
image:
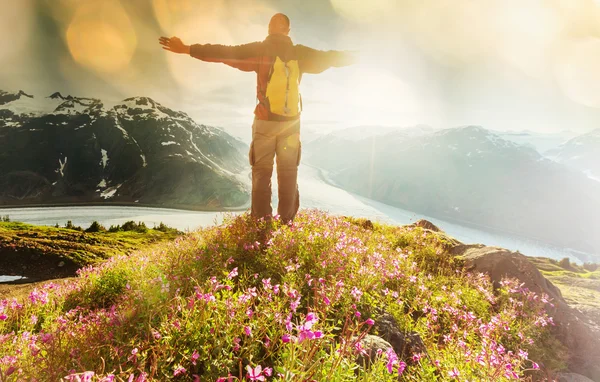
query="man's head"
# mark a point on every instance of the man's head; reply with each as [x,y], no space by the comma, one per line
[279,24]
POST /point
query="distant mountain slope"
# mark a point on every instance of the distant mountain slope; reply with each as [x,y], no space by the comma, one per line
[542,142]
[69,149]
[469,175]
[582,153]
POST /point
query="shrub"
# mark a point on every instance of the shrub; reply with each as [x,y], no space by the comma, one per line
[135,227]
[96,227]
[70,225]
[565,263]
[162,227]
[101,292]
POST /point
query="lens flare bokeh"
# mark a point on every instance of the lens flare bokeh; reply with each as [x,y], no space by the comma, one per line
[101,36]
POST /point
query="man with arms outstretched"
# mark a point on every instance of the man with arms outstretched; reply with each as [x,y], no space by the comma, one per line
[279,65]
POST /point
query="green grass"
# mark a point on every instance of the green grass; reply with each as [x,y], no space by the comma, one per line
[81,248]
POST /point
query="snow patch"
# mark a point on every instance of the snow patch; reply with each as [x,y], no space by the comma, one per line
[144,164]
[125,134]
[61,168]
[102,183]
[169,143]
[104,160]
[35,106]
[110,192]
[77,108]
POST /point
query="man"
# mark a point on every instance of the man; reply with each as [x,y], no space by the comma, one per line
[279,65]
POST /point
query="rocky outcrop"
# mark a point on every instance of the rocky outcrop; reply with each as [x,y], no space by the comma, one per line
[426,224]
[571,377]
[500,263]
[571,329]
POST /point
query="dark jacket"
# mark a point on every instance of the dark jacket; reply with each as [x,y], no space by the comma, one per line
[259,57]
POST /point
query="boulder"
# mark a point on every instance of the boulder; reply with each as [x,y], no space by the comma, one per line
[426,224]
[371,344]
[404,344]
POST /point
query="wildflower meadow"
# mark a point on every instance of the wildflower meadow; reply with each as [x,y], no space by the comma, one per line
[229,303]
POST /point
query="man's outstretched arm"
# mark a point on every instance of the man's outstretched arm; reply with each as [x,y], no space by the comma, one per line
[316,61]
[244,57]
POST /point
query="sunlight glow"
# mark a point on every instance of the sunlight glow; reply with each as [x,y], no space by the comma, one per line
[214,22]
[578,71]
[363,11]
[16,22]
[370,96]
[101,36]
[526,35]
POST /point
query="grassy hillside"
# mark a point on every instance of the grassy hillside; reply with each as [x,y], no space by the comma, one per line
[223,304]
[580,285]
[41,253]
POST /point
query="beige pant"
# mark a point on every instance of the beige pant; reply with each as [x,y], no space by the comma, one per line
[272,139]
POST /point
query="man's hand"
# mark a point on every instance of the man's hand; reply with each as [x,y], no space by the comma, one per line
[174,44]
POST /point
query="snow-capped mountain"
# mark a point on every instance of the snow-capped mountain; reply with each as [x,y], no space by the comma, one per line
[65,149]
[472,175]
[582,153]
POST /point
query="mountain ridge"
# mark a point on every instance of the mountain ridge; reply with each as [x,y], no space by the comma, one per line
[469,174]
[134,151]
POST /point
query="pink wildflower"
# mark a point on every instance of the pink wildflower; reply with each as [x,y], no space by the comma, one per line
[401,367]
[392,359]
[233,273]
[195,357]
[454,373]
[356,293]
[179,371]
[255,374]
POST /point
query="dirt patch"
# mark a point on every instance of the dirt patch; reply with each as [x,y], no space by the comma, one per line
[21,291]
[35,266]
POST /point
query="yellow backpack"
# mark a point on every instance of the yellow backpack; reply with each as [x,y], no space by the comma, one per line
[283,90]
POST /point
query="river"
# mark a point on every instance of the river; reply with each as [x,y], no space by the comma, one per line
[315,192]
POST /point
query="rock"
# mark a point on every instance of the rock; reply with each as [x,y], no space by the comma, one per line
[572,377]
[499,263]
[427,225]
[371,344]
[367,224]
[61,264]
[404,344]
[571,328]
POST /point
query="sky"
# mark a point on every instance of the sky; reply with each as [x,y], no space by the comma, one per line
[502,64]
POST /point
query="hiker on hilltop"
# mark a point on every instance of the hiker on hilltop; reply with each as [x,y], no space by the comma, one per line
[279,65]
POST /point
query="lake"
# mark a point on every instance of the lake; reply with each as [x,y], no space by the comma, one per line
[315,192]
